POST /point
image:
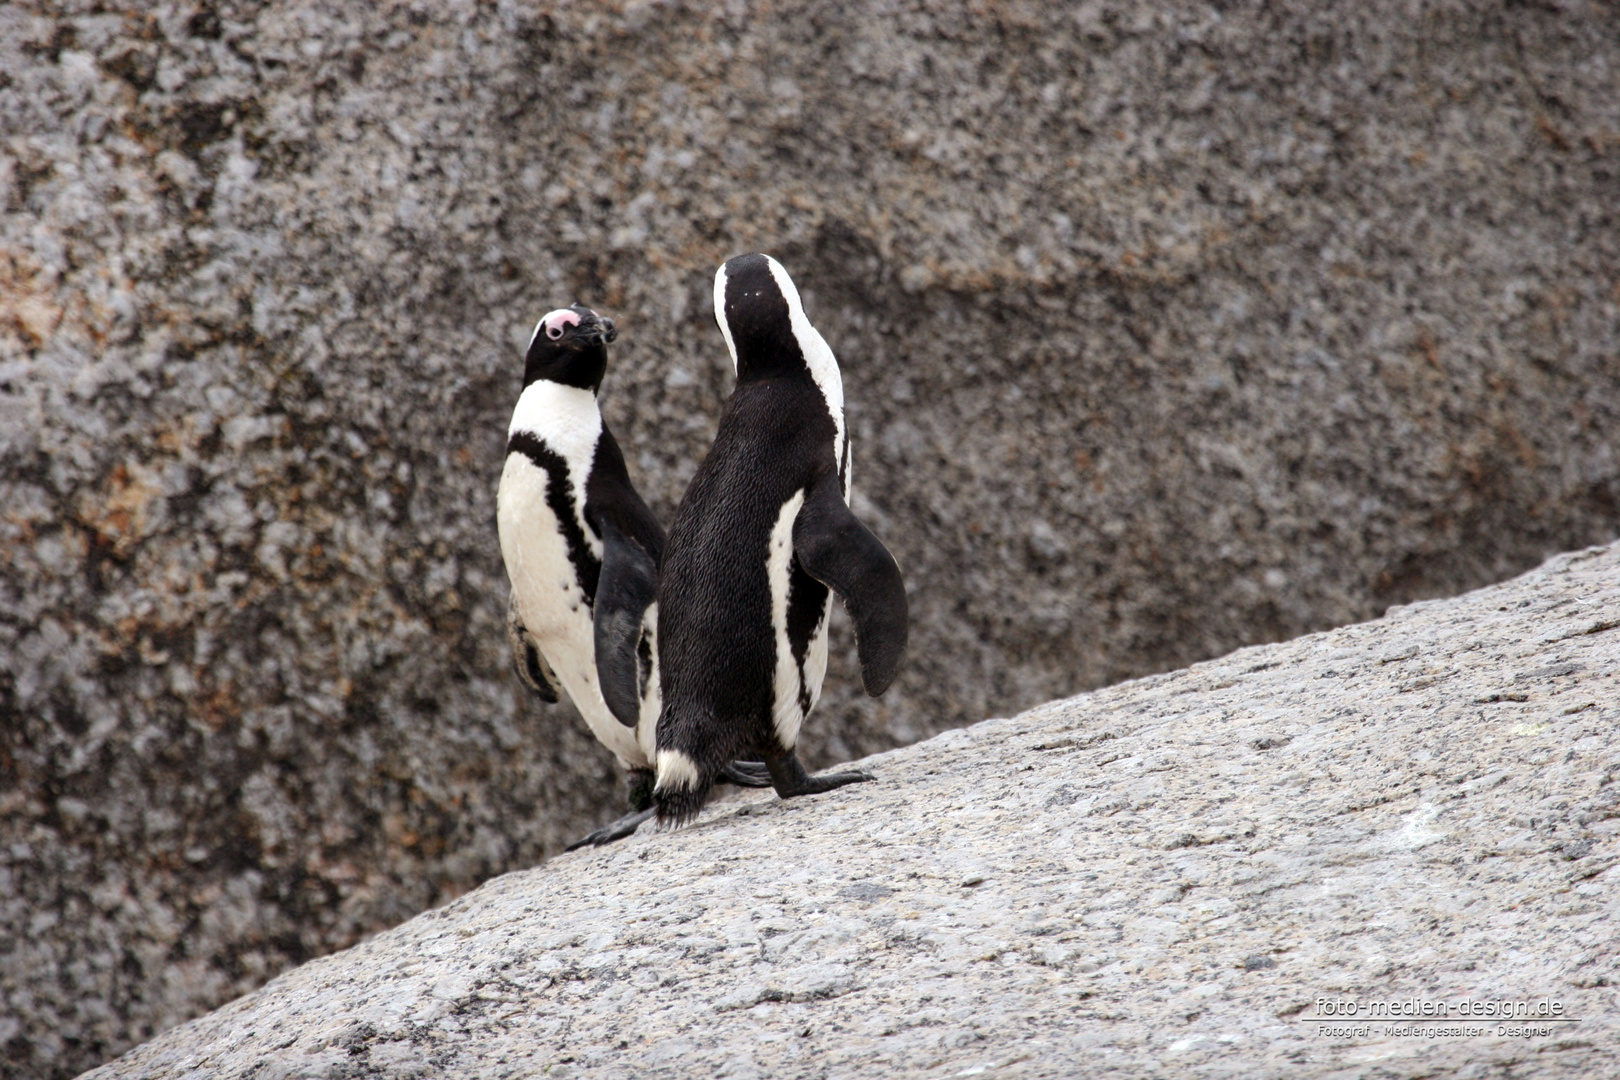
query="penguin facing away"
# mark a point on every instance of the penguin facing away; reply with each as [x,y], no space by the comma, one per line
[582,551]
[761,536]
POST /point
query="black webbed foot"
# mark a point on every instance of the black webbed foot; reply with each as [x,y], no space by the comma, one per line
[617,830]
[639,788]
[789,778]
[745,774]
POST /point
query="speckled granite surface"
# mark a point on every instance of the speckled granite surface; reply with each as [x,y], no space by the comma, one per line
[1157,879]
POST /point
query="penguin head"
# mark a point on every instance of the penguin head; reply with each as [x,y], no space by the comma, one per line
[753,302]
[569,346]
[766,329]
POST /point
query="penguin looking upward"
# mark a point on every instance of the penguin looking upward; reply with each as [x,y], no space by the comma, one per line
[762,534]
[582,551]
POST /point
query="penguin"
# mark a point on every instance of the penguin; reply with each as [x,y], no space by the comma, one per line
[582,552]
[760,541]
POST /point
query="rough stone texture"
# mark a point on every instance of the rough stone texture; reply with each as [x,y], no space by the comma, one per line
[1166,329]
[1157,879]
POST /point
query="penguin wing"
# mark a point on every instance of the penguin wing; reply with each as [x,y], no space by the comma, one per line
[628,584]
[527,659]
[837,550]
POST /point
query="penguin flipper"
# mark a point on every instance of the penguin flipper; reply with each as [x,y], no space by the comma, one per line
[527,659]
[628,585]
[837,550]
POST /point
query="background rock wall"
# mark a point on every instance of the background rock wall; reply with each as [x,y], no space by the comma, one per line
[1166,329]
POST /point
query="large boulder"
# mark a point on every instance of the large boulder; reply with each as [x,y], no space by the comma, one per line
[1166,330]
[1276,864]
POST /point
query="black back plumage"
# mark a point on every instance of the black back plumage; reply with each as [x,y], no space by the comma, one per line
[717,647]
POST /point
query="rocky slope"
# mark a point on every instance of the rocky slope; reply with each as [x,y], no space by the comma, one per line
[1167,328]
[1160,878]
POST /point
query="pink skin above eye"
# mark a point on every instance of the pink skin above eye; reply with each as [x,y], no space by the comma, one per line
[556,321]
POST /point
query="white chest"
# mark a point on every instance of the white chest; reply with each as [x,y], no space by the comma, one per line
[566,419]
[535,547]
[540,514]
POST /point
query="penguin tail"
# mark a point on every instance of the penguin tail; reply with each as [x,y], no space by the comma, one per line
[682,789]
[694,748]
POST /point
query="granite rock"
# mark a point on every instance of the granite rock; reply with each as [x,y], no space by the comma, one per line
[1167,328]
[1170,877]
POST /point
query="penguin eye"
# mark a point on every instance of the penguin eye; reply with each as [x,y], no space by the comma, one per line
[553,323]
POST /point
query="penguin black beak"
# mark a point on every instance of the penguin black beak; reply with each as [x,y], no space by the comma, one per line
[593,329]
